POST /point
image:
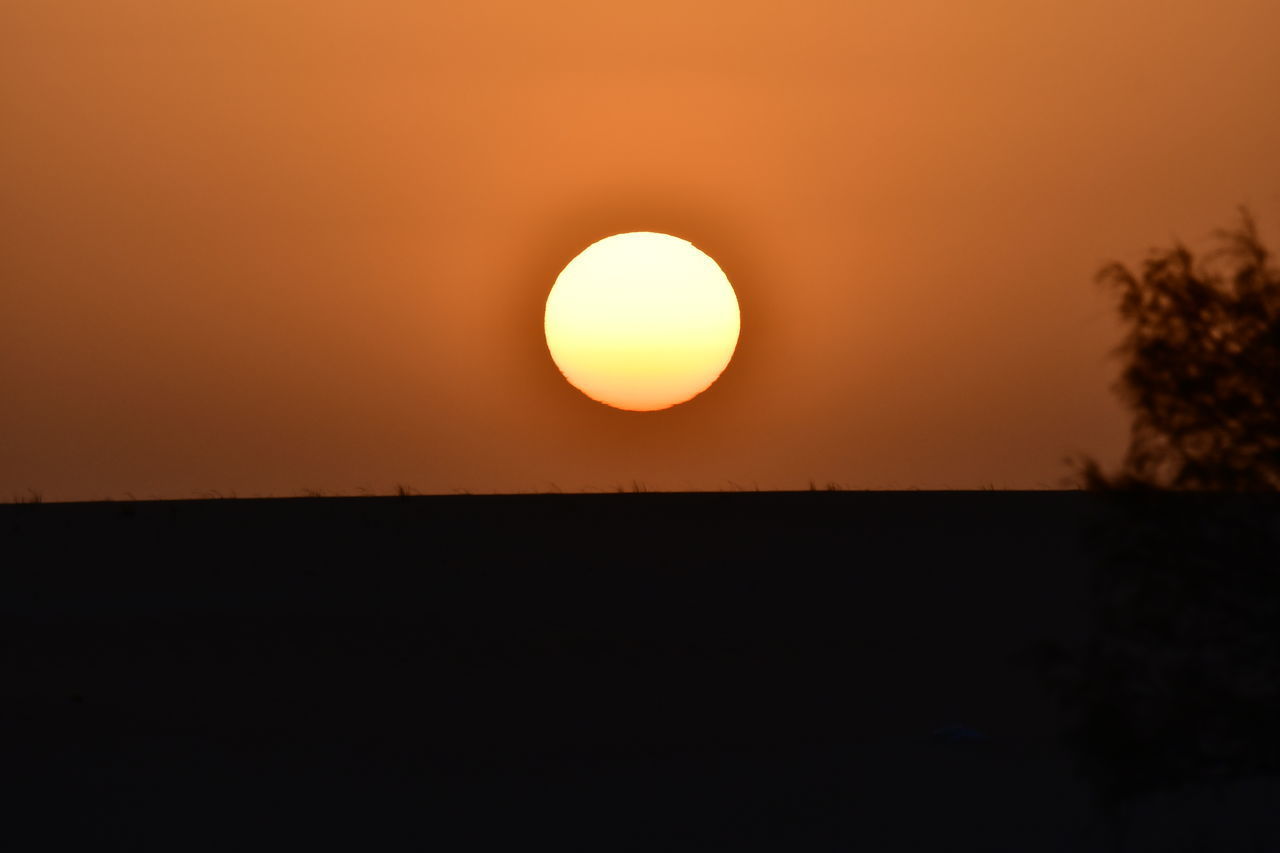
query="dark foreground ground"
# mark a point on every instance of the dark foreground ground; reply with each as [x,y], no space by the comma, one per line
[665,672]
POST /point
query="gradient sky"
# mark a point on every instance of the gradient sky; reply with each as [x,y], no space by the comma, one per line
[259,247]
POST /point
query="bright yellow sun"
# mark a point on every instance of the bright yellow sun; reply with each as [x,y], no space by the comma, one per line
[642,321]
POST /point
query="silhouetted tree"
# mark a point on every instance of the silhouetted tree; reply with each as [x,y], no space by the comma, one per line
[1203,368]
[1178,681]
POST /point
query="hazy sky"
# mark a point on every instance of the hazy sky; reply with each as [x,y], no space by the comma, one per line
[261,246]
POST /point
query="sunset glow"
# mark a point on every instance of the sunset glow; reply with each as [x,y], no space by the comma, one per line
[642,321]
[308,244]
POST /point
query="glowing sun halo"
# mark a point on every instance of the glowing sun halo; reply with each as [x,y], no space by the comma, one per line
[642,321]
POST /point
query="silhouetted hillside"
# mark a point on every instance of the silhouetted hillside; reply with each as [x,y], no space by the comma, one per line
[680,671]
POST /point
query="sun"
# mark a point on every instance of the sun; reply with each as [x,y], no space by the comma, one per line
[642,321]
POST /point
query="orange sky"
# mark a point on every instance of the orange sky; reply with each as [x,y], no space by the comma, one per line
[258,247]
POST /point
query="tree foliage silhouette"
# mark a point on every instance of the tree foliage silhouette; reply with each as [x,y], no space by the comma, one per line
[1178,681]
[1202,368]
